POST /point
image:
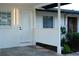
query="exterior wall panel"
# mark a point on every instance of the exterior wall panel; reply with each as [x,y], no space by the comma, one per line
[17,35]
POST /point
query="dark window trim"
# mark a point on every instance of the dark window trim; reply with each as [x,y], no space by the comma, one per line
[46,24]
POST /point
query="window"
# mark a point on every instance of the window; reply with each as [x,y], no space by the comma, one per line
[5,18]
[47,22]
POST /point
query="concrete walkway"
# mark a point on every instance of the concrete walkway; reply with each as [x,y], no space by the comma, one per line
[27,51]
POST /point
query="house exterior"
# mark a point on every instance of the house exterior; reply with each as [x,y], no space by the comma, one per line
[52,37]
[23,25]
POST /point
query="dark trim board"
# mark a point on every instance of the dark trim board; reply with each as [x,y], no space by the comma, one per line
[54,5]
[62,11]
[54,48]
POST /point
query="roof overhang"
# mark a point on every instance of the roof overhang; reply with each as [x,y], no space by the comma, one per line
[54,5]
[62,11]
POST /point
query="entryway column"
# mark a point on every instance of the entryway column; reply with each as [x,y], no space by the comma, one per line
[59,31]
[34,27]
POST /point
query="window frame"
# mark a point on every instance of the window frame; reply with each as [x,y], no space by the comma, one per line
[5,18]
[47,25]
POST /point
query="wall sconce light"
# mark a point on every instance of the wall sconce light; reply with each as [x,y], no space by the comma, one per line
[16,16]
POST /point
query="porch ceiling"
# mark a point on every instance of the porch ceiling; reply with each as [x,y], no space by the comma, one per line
[53,5]
[62,11]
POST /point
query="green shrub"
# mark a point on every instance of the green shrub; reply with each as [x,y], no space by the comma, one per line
[73,35]
[71,43]
[73,40]
[63,41]
[66,49]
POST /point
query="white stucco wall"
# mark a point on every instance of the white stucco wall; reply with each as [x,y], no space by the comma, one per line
[39,20]
[49,35]
[12,36]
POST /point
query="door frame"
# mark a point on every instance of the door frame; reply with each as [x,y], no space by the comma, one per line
[76,18]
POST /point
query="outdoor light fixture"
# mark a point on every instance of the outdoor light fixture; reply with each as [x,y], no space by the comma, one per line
[15,16]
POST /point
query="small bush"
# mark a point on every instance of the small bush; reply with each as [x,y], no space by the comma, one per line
[73,40]
[73,35]
[66,49]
